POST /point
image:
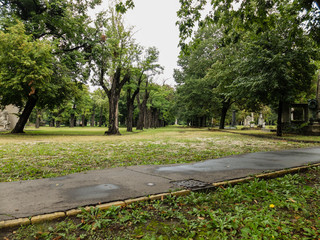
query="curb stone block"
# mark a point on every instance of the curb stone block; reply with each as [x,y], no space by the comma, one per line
[14,223]
[47,217]
[232,182]
[108,205]
[158,196]
[181,193]
[141,199]
[73,212]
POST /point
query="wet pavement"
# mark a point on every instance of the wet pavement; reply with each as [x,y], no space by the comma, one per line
[36,197]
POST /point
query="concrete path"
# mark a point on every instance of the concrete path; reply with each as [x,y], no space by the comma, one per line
[36,197]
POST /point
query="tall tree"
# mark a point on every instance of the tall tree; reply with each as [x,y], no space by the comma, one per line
[199,91]
[112,57]
[142,105]
[145,67]
[65,24]
[276,66]
[271,35]
[29,74]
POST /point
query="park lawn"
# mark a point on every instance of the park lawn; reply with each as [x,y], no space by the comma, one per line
[51,152]
[283,208]
[286,136]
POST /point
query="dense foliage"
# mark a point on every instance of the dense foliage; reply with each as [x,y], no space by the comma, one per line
[253,53]
[51,49]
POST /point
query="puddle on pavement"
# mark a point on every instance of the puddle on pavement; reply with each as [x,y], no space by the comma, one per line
[92,192]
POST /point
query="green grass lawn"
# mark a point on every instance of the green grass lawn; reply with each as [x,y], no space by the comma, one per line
[286,136]
[51,152]
[282,208]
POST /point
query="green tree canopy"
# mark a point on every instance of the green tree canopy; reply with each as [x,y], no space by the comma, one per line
[267,48]
[29,74]
[66,25]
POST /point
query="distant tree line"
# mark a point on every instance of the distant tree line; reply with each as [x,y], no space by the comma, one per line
[51,50]
[92,109]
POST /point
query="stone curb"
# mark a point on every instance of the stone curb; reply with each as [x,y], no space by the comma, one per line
[73,212]
[266,175]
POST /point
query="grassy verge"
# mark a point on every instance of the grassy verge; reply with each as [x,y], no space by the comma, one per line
[51,152]
[282,208]
[286,136]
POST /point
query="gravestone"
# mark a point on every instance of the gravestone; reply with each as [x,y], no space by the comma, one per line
[249,121]
[4,120]
[8,118]
[261,122]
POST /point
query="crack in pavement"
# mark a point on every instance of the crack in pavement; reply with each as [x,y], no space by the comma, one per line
[8,215]
[149,174]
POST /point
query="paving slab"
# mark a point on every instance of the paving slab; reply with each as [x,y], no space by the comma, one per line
[42,196]
[34,197]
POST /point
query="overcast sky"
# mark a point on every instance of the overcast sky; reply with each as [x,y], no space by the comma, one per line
[154,22]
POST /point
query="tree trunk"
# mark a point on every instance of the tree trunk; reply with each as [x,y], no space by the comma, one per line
[279,121]
[225,107]
[143,109]
[52,122]
[72,120]
[130,105]
[100,118]
[147,117]
[83,120]
[93,116]
[130,108]
[38,118]
[113,113]
[140,123]
[114,96]
[31,103]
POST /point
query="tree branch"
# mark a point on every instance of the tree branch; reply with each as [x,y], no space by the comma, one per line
[138,88]
[125,79]
[101,82]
